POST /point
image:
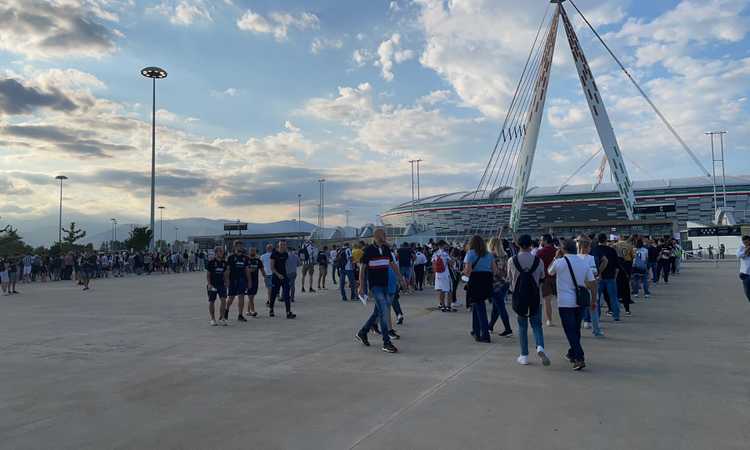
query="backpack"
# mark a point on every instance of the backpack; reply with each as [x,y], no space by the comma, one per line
[526,298]
[340,260]
[438,265]
[639,263]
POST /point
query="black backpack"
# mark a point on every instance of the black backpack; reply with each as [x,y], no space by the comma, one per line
[340,261]
[526,296]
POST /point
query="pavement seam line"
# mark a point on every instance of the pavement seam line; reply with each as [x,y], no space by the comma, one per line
[422,397]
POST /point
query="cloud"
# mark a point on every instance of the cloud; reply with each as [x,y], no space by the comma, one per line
[361,57]
[228,92]
[434,97]
[351,106]
[320,44]
[15,98]
[60,140]
[390,53]
[277,23]
[72,28]
[184,12]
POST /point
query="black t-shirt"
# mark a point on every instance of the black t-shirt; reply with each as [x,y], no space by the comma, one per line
[278,260]
[216,268]
[377,259]
[237,265]
[255,264]
[404,257]
[323,258]
[606,251]
[653,254]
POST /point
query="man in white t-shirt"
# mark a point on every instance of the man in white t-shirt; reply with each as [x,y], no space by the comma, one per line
[443,281]
[571,314]
[265,258]
[743,254]
[332,261]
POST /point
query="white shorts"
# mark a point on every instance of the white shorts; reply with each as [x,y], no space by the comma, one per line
[443,283]
[27,270]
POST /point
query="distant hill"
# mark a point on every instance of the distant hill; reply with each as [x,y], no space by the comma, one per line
[43,230]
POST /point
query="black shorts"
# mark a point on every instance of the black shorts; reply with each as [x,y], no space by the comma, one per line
[221,292]
[253,289]
[237,287]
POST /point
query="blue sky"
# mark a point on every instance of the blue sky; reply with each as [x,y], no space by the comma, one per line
[265,97]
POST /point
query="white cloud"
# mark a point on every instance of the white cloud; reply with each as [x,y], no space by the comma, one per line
[352,105]
[389,51]
[228,92]
[320,44]
[183,12]
[434,97]
[361,57]
[277,23]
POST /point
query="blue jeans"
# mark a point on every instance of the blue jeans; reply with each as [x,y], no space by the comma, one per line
[292,277]
[382,300]
[637,280]
[350,275]
[593,319]
[498,308]
[396,304]
[283,286]
[571,322]
[610,286]
[536,326]
[479,324]
[652,270]
[746,286]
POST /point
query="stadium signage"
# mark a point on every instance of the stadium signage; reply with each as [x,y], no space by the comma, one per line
[654,209]
[715,231]
[235,226]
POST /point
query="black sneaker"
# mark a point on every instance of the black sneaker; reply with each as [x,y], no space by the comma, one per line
[568,359]
[578,365]
[291,315]
[271,314]
[241,318]
[393,334]
[303,289]
[389,348]
[311,290]
[506,333]
[363,339]
[344,299]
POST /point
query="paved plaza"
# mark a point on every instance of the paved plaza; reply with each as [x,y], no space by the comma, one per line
[133,364]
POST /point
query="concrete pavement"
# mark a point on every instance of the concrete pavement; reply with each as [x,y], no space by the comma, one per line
[133,364]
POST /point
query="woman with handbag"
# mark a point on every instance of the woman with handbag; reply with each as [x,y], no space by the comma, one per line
[572,297]
[479,268]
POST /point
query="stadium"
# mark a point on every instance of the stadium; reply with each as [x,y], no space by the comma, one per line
[662,207]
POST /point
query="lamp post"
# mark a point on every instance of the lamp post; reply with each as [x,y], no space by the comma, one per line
[154,73]
[59,220]
[299,214]
[322,223]
[176,234]
[161,223]
[114,233]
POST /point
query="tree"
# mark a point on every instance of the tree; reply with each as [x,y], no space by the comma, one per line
[73,235]
[11,243]
[139,238]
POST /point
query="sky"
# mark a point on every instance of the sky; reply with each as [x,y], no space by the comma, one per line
[263,98]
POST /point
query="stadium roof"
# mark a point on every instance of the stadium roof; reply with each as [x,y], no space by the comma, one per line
[506,192]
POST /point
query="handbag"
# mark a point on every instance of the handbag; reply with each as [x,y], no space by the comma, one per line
[583,295]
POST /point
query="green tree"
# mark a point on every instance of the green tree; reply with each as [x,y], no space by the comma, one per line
[139,238]
[11,243]
[72,236]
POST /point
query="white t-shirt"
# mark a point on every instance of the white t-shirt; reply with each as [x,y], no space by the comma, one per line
[744,260]
[265,258]
[566,291]
[331,256]
[421,259]
[590,261]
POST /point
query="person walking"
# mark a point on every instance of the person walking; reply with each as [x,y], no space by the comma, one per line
[443,281]
[332,259]
[575,289]
[479,268]
[376,260]
[265,259]
[307,256]
[499,288]
[347,273]
[405,262]
[639,277]
[216,286]
[549,289]
[420,262]
[590,315]
[743,254]
[606,260]
[280,281]
[292,265]
[663,264]
[525,274]
[322,261]
[255,266]
[237,279]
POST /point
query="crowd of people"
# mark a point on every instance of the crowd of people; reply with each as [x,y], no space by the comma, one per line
[83,266]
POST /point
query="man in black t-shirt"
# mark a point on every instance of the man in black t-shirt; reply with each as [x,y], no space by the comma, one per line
[322,267]
[405,262]
[280,280]
[255,265]
[377,259]
[237,276]
[216,285]
[606,261]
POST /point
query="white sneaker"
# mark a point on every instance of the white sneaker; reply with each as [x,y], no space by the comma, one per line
[523,360]
[586,325]
[548,323]
[224,322]
[213,323]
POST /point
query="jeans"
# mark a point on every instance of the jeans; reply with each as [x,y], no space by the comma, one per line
[746,285]
[571,322]
[498,308]
[536,326]
[637,280]
[281,285]
[419,276]
[380,296]
[662,268]
[292,277]
[334,271]
[406,273]
[593,319]
[652,270]
[350,275]
[396,304]
[479,324]
[610,286]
